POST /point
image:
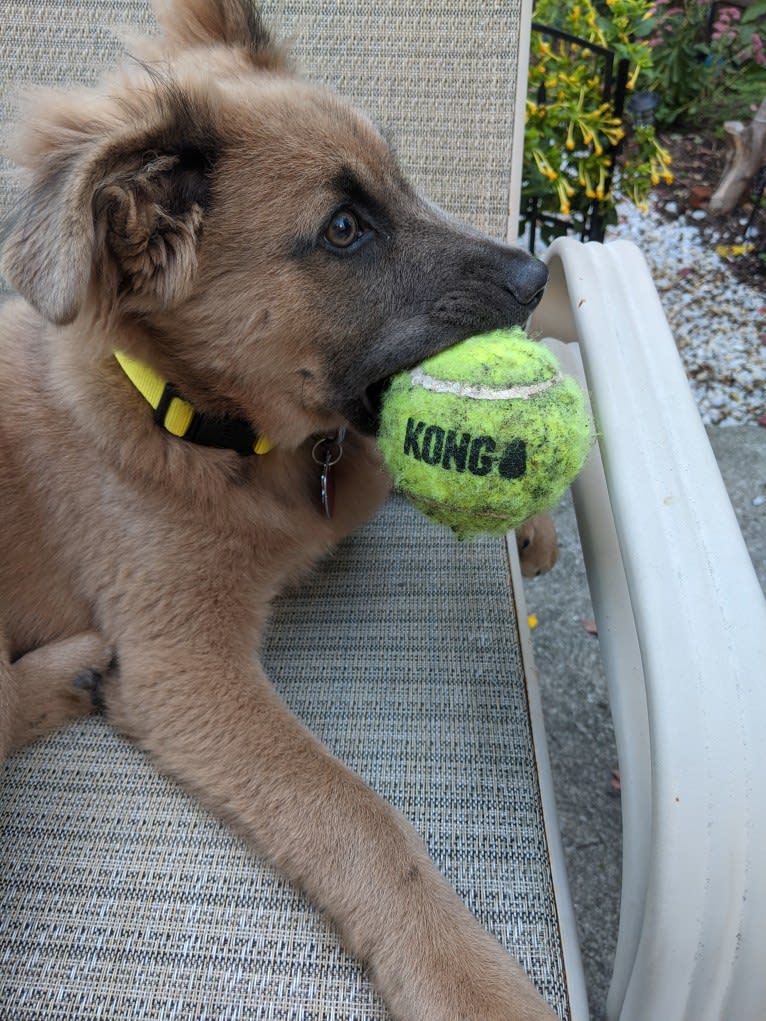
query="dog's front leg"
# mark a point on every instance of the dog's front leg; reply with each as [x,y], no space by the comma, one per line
[221,729]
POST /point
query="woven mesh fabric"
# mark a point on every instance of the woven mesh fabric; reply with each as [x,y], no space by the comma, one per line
[122,899]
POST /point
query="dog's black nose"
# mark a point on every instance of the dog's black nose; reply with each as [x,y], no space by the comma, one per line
[527,281]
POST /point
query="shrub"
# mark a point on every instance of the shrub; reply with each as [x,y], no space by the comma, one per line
[572,136]
[706,69]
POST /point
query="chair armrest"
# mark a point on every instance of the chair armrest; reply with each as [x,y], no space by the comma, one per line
[690,647]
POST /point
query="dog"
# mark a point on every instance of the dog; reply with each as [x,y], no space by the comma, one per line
[537,545]
[220,266]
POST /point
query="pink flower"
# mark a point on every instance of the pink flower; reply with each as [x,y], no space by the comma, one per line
[723,31]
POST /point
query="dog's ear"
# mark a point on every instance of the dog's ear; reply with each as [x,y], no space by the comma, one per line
[148,220]
[235,23]
[112,204]
[47,244]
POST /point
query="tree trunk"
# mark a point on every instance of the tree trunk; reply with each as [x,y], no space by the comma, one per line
[747,156]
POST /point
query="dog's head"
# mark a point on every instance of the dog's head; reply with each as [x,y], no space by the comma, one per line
[248,233]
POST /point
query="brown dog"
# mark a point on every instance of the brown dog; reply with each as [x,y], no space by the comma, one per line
[538,545]
[224,226]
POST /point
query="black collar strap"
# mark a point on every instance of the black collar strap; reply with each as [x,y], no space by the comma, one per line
[178,417]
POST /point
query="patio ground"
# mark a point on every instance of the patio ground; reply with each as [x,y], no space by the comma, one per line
[578,725]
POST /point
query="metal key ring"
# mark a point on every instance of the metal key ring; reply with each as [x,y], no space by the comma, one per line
[328,442]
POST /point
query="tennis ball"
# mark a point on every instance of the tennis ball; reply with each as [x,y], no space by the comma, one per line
[485,434]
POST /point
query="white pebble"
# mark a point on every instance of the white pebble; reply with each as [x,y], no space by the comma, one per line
[716,320]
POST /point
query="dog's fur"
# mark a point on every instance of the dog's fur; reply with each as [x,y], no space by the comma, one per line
[538,545]
[185,213]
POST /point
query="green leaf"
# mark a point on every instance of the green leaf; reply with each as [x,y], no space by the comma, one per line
[754,12]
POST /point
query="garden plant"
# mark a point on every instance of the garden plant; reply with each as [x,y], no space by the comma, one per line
[573,134]
[708,61]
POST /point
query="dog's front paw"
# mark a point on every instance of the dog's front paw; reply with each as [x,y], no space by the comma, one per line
[91,683]
[489,991]
[537,545]
[55,684]
[468,976]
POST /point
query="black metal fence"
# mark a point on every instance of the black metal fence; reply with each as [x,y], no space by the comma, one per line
[535,215]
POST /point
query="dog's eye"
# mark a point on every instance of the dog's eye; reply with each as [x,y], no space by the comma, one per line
[343,230]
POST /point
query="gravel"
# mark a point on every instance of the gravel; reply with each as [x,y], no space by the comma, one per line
[719,323]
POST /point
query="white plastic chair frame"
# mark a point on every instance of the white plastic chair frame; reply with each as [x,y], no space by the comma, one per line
[682,624]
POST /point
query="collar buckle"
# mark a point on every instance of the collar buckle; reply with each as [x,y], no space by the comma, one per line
[176,416]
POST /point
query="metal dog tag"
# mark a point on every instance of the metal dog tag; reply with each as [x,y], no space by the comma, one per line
[327,488]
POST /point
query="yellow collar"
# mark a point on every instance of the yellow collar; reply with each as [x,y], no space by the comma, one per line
[179,418]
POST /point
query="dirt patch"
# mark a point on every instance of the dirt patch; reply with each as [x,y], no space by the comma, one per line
[697,166]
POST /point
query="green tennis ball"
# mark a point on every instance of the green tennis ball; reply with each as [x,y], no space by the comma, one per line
[485,434]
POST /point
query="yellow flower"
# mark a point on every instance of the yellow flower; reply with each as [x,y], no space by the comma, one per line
[601,186]
[565,191]
[543,165]
[734,251]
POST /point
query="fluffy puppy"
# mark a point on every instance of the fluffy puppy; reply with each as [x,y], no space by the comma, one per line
[220,266]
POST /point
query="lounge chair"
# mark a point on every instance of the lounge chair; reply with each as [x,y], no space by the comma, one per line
[120,898]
